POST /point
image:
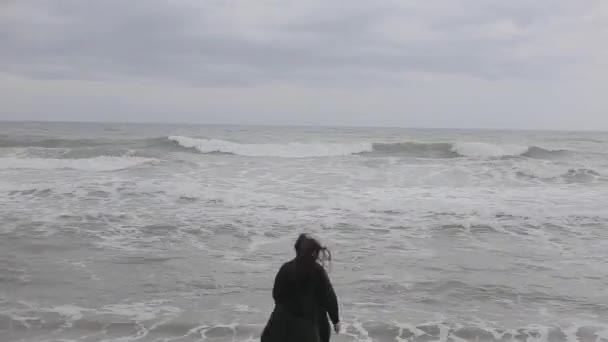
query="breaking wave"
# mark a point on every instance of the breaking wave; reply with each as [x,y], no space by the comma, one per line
[102,163]
[290,150]
[580,176]
[156,147]
[571,176]
[541,153]
[478,149]
[405,149]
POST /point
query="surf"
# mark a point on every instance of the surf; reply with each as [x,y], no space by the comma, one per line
[288,150]
[403,149]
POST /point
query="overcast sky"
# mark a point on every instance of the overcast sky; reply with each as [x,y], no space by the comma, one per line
[417,63]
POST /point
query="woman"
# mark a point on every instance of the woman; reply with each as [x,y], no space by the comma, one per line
[303,296]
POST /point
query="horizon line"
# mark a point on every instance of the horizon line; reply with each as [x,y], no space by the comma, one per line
[279,125]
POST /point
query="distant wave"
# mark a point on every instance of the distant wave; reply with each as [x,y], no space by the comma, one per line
[464,149]
[289,150]
[478,149]
[541,153]
[155,147]
[102,163]
[406,149]
[413,149]
[581,172]
[571,176]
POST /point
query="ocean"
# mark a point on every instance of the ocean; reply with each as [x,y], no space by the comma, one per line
[174,233]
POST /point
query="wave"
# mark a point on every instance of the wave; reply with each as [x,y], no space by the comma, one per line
[101,163]
[541,153]
[413,149]
[289,150]
[124,322]
[581,175]
[464,149]
[479,149]
[404,149]
[155,147]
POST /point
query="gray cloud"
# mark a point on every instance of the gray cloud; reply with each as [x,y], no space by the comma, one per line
[457,63]
[245,43]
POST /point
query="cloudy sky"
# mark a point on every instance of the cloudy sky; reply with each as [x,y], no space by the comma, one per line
[432,63]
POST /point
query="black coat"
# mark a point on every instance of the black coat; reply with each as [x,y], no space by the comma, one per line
[303,296]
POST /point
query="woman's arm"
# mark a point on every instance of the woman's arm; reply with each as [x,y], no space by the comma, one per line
[278,290]
[329,298]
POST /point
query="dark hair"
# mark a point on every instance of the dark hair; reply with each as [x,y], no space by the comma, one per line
[309,248]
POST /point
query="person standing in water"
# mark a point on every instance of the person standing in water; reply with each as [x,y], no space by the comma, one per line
[303,296]
[324,328]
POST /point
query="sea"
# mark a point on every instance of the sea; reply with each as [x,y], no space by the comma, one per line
[174,233]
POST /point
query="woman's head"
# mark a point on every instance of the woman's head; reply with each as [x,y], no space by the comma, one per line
[308,248]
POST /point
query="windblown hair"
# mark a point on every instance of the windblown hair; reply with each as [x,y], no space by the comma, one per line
[308,247]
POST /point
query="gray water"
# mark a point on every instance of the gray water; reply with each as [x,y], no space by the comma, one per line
[115,232]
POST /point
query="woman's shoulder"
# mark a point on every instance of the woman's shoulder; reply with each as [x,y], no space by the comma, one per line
[288,264]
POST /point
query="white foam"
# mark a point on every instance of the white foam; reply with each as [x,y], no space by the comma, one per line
[289,150]
[102,163]
[140,312]
[70,312]
[363,334]
[242,308]
[479,149]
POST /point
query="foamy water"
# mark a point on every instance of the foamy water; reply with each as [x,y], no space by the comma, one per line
[174,233]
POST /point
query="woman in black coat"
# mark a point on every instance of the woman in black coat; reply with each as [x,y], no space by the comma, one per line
[303,296]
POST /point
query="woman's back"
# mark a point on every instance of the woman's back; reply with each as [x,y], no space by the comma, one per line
[298,288]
